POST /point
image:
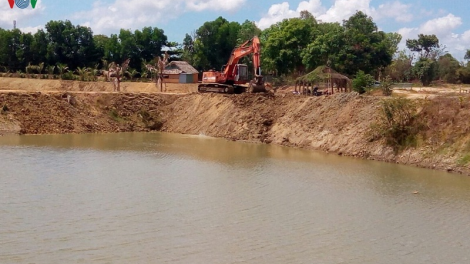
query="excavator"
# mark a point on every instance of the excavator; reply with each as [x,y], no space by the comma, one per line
[233,75]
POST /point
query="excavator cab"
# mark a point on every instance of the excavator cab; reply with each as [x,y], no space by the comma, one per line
[240,73]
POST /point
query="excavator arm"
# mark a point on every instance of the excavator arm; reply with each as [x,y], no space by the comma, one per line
[251,46]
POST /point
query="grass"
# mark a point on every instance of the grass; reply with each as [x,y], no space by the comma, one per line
[464,160]
[113,113]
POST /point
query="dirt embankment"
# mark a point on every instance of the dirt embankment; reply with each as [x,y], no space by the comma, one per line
[340,123]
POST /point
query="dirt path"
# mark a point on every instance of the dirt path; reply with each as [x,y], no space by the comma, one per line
[41,85]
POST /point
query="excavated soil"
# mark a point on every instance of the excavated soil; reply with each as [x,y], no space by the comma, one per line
[339,123]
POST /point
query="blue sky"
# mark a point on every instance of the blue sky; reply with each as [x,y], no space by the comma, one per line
[449,20]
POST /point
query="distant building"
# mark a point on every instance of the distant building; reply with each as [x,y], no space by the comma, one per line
[180,72]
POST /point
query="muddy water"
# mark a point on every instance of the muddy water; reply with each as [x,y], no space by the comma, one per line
[162,198]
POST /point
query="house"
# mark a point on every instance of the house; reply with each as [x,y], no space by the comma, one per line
[180,72]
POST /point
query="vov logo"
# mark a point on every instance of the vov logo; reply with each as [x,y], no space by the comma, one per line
[22,3]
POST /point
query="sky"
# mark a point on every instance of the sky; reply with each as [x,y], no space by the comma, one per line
[449,20]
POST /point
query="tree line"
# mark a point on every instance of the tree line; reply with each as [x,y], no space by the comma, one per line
[290,48]
[63,44]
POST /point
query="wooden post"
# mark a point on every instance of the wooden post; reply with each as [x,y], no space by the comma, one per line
[329,80]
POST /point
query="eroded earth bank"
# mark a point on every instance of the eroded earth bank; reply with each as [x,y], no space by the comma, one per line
[339,124]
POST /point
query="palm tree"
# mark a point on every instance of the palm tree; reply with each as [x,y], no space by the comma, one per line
[40,67]
[132,73]
[29,68]
[83,73]
[50,69]
[62,69]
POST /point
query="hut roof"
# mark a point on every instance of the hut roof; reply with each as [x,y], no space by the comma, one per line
[321,74]
[177,67]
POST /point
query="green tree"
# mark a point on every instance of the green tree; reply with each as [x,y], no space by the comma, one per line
[325,47]
[356,45]
[467,55]
[366,49]
[426,45]
[448,67]
[188,48]
[392,40]
[112,49]
[284,42]
[426,70]
[129,48]
[149,43]
[214,43]
[463,74]
[362,82]
[247,31]
[401,69]
[69,44]
[24,52]
[10,48]
[39,47]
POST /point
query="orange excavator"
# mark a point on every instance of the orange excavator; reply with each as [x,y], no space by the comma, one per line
[234,75]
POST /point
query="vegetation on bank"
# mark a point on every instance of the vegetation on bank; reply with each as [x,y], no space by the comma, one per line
[436,127]
[399,123]
[291,48]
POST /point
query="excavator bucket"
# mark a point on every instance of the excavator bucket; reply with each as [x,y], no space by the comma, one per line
[257,85]
[257,88]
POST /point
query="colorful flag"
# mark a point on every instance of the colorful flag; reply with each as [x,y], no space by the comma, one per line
[33,3]
[11,2]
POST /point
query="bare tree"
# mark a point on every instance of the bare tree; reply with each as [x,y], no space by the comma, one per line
[117,71]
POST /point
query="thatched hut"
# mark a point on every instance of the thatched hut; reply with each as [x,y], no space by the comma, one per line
[323,77]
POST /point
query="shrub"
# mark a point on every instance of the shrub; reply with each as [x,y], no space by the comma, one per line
[5,108]
[386,86]
[362,82]
[113,113]
[399,123]
[68,76]
[151,122]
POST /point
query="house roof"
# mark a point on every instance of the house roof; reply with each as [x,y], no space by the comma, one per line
[322,73]
[177,67]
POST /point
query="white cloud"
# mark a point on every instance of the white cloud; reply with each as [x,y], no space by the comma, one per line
[400,12]
[442,27]
[343,9]
[466,36]
[313,6]
[201,5]
[132,14]
[20,15]
[31,29]
[276,13]
[339,11]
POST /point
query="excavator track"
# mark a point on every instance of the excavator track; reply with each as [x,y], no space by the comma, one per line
[219,88]
[230,89]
